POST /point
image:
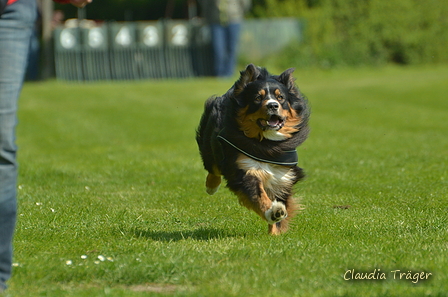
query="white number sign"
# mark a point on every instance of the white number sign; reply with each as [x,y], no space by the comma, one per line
[96,37]
[179,35]
[151,36]
[123,37]
[68,40]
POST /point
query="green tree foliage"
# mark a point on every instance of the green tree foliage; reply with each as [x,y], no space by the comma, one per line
[356,32]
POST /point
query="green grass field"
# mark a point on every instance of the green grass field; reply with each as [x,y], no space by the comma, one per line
[112,199]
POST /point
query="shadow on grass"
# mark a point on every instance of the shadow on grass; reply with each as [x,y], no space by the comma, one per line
[197,234]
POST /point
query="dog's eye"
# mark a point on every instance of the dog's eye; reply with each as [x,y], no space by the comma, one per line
[258,99]
[280,98]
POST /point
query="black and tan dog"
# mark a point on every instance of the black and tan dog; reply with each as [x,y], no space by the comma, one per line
[249,135]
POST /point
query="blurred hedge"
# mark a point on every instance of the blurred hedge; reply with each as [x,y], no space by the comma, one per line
[364,32]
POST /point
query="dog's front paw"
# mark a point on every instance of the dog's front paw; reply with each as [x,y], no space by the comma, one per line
[276,213]
[212,183]
[211,191]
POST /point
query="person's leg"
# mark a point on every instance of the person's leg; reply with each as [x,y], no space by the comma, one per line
[16,24]
[219,49]
[232,37]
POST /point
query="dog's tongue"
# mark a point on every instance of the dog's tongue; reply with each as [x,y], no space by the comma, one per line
[274,121]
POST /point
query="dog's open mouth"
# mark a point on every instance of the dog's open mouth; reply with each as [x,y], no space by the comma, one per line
[274,122]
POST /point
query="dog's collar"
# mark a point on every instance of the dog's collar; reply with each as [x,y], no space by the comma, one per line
[286,158]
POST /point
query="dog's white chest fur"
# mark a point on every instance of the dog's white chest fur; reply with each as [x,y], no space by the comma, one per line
[274,135]
[273,177]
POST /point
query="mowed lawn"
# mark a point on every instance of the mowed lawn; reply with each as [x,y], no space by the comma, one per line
[112,199]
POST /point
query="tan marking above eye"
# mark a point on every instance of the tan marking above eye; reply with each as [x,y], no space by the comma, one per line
[279,95]
[260,96]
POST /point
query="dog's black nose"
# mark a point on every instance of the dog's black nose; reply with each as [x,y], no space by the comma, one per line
[272,106]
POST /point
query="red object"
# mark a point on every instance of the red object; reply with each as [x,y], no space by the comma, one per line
[59,1]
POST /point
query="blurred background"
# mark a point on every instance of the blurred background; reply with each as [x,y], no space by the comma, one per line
[139,39]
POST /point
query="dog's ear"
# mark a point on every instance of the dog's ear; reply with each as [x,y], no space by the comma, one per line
[288,80]
[247,76]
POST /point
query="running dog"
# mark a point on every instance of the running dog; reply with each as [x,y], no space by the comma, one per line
[249,136]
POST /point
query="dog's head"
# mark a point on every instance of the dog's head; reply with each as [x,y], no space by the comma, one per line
[268,106]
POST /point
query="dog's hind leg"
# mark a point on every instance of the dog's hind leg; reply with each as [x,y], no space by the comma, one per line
[276,213]
[283,225]
[274,229]
[212,183]
[254,196]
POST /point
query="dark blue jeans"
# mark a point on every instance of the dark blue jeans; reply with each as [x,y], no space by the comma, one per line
[16,24]
[225,44]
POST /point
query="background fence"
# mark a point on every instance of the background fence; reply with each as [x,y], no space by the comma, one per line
[157,49]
